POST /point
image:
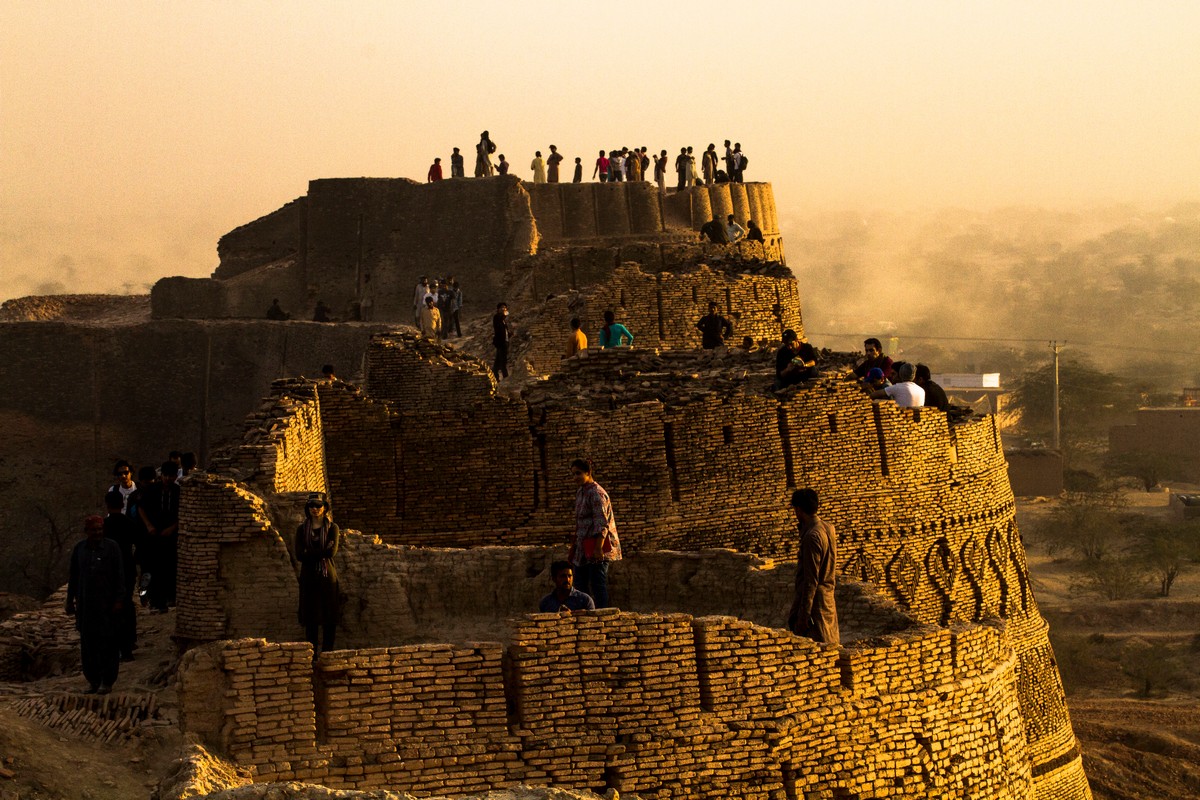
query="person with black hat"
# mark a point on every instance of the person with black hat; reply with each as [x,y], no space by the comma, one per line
[814,613]
[317,540]
[95,594]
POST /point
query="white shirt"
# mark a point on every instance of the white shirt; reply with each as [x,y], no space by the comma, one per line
[906,394]
[734,232]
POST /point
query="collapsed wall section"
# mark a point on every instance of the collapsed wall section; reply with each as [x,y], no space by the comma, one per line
[644,703]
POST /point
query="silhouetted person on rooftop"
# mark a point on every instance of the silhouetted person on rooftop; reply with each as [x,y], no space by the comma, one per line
[276,313]
[714,231]
[713,328]
[552,161]
[753,232]
[501,334]
[578,170]
[321,312]
[457,168]
[483,156]
[538,165]
[935,395]
[502,167]
[435,171]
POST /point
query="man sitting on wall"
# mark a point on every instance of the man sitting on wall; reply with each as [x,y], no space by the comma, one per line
[906,393]
[935,395]
[875,359]
[791,364]
[565,596]
[714,231]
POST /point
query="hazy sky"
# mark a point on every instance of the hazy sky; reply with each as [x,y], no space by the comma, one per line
[133,134]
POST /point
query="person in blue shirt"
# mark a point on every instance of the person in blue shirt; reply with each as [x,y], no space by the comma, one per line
[613,333]
[565,596]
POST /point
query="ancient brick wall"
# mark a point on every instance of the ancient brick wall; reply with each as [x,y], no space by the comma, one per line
[660,310]
[283,449]
[923,508]
[663,704]
[352,237]
[235,572]
[412,373]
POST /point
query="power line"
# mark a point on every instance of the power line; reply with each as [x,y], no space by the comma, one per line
[1046,340]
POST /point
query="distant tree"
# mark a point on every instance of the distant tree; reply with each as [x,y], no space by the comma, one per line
[43,560]
[1111,579]
[1154,667]
[1149,468]
[1089,398]
[1167,550]
[1087,524]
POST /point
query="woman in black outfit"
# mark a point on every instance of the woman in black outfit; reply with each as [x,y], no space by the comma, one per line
[317,541]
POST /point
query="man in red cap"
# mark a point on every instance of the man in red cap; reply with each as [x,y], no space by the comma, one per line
[95,595]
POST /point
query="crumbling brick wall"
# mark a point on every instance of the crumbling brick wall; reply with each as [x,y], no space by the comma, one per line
[662,704]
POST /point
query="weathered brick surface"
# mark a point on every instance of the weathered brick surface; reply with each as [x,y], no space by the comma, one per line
[662,705]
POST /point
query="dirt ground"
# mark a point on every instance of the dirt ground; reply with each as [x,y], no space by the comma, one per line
[1134,747]
[42,763]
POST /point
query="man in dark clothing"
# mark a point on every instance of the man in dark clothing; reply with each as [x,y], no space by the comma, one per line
[321,312]
[445,304]
[501,334]
[813,613]
[790,368]
[565,596]
[935,395]
[457,169]
[753,232]
[125,532]
[94,597]
[713,328]
[874,358]
[160,514]
[714,230]
[276,313]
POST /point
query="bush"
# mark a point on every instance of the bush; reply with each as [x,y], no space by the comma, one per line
[1111,579]
[1154,668]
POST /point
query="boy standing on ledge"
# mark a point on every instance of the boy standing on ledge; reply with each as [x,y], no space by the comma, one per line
[814,613]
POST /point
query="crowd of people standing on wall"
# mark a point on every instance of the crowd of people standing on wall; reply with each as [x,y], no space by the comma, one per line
[128,557]
[437,307]
[611,166]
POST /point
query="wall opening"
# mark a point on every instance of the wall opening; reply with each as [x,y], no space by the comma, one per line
[883,460]
[833,423]
[669,444]
[785,438]
[727,434]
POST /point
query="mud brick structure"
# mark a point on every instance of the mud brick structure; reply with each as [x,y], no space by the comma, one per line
[348,238]
[454,497]
[696,454]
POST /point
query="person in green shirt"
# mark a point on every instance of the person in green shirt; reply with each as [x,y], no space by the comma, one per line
[614,334]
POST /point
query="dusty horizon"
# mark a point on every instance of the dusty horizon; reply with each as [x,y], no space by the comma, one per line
[132,136]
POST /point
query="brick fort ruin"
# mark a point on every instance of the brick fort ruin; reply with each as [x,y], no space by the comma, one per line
[456,501]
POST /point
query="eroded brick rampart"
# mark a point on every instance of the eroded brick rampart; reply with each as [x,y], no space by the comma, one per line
[663,704]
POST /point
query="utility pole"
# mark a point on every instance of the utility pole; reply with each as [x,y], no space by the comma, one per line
[1057,432]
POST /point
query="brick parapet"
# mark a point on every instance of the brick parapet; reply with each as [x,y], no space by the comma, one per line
[642,702]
